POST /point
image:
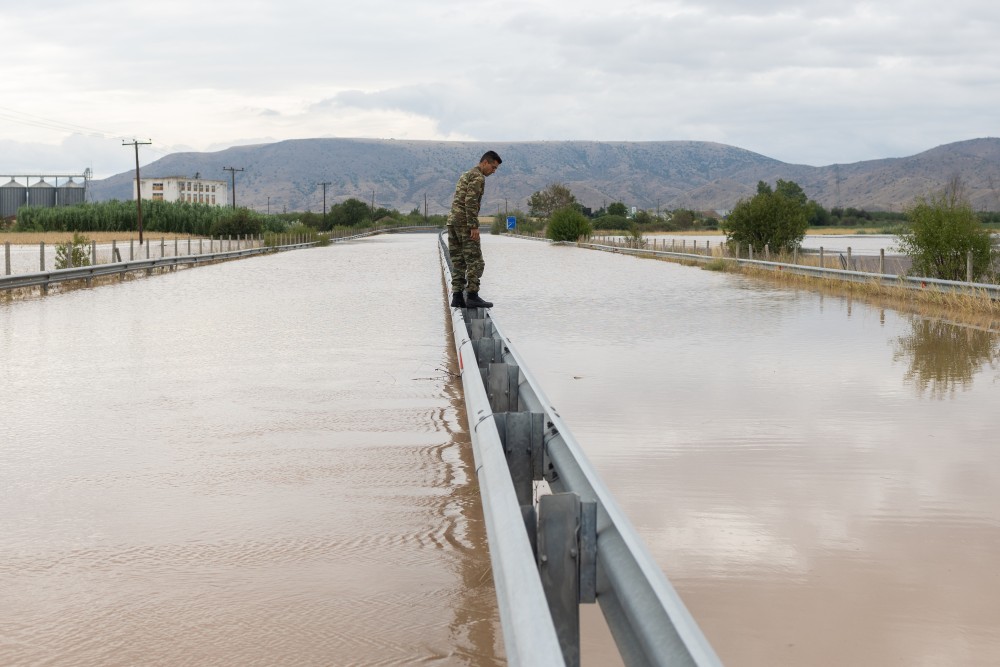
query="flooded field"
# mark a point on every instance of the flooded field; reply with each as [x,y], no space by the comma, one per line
[265,462]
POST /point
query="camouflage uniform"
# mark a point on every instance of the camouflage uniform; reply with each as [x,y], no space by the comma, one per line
[466,255]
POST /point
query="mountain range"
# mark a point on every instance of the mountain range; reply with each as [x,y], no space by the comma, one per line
[700,175]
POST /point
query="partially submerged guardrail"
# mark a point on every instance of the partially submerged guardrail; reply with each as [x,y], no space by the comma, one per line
[576,545]
[44,279]
[906,282]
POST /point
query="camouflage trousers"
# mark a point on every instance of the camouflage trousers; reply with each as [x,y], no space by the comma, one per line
[467,263]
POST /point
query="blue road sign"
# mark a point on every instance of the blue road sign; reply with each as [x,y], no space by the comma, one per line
[511,222]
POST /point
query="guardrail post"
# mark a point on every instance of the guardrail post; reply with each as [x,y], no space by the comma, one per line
[567,564]
[6,255]
[968,266]
[41,256]
[522,436]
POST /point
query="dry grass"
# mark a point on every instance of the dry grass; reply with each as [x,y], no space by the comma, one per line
[29,238]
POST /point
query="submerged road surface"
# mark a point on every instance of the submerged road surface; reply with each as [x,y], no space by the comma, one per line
[258,463]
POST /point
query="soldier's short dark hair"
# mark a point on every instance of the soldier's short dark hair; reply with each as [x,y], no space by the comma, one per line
[491,156]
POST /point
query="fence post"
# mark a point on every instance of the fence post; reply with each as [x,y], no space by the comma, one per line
[767,251]
[881,260]
[750,251]
[131,249]
[176,241]
[968,266]
[93,253]
[189,245]
[822,263]
[163,247]
[6,255]
[147,249]
[795,255]
[850,265]
[41,255]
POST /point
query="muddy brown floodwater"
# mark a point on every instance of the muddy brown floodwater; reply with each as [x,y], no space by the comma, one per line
[819,478]
[266,462]
[263,462]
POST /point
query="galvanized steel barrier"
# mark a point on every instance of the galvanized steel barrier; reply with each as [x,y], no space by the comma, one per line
[44,279]
[906,282]
[575,545]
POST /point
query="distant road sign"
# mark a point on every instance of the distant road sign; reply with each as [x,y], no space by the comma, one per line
[511,222]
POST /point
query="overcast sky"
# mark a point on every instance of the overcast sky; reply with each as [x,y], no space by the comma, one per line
[811,83]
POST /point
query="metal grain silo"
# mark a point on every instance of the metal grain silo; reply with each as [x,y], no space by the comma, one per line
[12,197]
[42,194]
[71,193]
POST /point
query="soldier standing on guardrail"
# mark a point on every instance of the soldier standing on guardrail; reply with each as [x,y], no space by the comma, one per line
[463,234]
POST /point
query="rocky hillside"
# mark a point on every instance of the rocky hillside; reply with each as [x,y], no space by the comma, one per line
[665,174]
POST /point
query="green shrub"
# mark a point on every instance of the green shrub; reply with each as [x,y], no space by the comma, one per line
[942,231]
[77,249]
[568,224]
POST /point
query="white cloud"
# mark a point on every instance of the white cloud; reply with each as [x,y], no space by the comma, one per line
[817,84]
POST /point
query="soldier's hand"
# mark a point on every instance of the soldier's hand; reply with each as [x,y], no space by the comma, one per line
[474,233]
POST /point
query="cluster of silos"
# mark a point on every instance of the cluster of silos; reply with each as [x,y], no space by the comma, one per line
[14,195]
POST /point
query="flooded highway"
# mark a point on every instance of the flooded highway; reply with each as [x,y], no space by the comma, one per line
[818,477]
[266,462]
[261,462]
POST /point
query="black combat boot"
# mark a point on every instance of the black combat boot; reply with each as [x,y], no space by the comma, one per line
[472,300]
[457,300]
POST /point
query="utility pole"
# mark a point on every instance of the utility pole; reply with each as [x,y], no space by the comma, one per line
[324,184]
[232,172]
[373,204]
[425,208]
[269,204]
[138,186]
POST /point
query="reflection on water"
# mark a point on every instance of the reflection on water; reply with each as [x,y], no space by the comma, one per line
[257,463]
[810,507]
[943,356]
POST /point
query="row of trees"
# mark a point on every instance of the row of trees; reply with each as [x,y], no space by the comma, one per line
[939,233]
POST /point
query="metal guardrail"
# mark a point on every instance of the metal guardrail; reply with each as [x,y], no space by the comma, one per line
[575,545]
[906,282]
[44,279]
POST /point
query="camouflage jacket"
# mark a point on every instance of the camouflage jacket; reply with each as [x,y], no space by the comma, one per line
[468,197]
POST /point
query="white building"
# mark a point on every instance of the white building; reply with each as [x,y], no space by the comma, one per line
[181,188]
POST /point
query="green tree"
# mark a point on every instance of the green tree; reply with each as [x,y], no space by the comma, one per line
[349,213]
[792,190]
[568,224]
[683,218]
[768,218]
[617,208]
[554,197]
[941,233]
